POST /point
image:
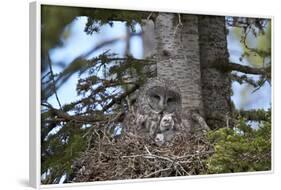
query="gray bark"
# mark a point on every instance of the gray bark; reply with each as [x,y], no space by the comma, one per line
[216,85]
[178,57]
[148,39]
[186,48]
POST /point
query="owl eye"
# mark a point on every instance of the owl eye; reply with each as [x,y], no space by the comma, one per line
[156,97]
[169,100]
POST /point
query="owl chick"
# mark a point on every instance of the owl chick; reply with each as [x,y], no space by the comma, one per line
[159,139]
[164,137]
[167,122]
[166,130]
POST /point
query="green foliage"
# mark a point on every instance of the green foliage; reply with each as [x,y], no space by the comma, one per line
[56,19]
[254,35]
[59,151]
[95,85]
[241,149]
[55,27]
[99,17]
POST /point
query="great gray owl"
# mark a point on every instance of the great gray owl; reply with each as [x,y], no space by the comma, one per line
[167,122]
[157,110]
[166,130]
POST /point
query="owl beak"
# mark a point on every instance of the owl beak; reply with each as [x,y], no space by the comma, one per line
[162,105]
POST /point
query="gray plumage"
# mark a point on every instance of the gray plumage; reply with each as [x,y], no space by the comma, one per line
[157,111]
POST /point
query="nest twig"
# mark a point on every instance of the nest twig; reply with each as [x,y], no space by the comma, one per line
[133,157]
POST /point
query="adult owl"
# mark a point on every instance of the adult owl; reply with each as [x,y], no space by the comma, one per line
[157,98]
[159,95]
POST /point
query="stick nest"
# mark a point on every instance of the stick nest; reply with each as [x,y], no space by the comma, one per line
[133,157]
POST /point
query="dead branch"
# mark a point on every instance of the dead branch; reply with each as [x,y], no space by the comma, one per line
[248,70]
[118,99]
[53,81]
[225,66]
[244,78]
[63,116]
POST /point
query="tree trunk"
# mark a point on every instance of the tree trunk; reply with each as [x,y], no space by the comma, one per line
[178,57]
[187,46]
[216,84]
